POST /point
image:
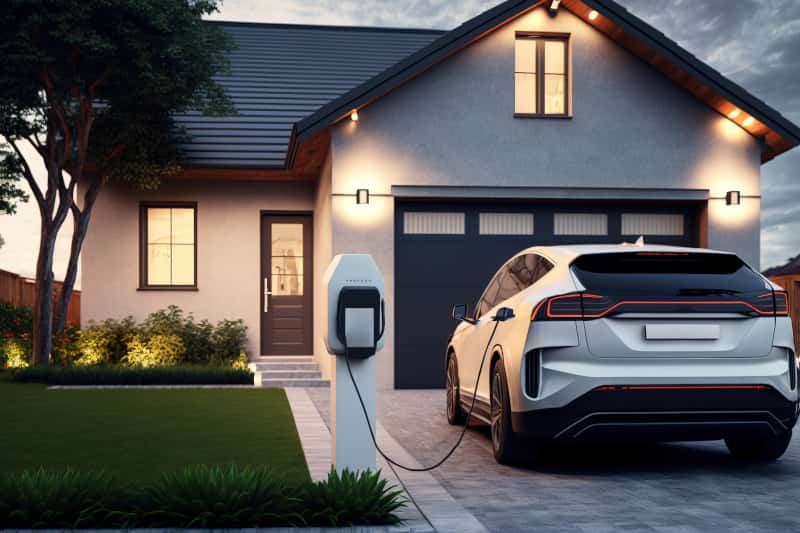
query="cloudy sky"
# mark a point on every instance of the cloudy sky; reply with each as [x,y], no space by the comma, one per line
[754,42]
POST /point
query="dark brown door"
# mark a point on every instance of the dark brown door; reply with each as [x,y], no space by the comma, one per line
[286,277]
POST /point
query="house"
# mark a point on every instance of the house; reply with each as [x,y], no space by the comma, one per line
[441,154]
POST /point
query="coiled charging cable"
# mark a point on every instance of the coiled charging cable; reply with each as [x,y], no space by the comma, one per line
[439,463]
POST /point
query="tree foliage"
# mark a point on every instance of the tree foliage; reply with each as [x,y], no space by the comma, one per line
[93,86]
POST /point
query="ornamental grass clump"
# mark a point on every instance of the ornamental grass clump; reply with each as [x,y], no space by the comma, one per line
[218,497]
[352,498]
[64,499]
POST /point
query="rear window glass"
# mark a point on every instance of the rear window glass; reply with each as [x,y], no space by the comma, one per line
[666,274]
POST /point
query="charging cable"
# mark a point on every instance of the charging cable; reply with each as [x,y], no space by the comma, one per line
[497,319]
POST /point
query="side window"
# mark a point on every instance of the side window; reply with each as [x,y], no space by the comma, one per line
[489,296]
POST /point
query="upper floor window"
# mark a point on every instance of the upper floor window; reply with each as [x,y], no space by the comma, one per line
[541,74]
[168,246]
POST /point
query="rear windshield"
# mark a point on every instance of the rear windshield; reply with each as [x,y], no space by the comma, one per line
[667,274]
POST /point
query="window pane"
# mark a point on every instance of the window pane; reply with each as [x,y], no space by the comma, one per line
[287,265]
[554,57]
[554,101]
[183,264]
[525,55]
[158,225]
[286,285]
[158,264]
[287,240]
[525,93]
[183,225]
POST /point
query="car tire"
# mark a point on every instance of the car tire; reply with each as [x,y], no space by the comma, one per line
[508,447]
[455,414]
[768,449]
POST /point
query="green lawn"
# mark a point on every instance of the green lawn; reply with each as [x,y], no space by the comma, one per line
[137,434]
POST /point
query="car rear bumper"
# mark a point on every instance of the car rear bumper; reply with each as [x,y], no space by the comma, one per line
[663,413]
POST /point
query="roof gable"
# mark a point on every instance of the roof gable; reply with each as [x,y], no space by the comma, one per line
[649,44]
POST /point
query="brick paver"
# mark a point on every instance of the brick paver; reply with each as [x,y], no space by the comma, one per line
[665,488]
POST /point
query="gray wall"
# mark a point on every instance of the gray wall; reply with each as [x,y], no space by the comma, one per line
[454,125]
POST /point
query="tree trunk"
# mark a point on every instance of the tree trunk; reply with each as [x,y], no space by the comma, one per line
[43,305]
[80,227]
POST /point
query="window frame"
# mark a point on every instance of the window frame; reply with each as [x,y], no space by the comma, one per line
[143,281]
[542,37]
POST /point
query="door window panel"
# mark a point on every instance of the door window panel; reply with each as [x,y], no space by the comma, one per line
[286,258]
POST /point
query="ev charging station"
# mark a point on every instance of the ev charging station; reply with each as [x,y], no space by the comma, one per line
[356,324]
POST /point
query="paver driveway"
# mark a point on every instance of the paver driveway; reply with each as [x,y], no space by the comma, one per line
[669,487]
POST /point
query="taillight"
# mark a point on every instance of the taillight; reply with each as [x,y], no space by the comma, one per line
[587,306]
[571,306]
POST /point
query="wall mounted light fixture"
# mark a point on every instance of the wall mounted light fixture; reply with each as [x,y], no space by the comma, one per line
[733,198]
[362,196]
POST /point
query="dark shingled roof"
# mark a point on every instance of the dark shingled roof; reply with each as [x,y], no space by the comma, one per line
[282,73]
[792,267]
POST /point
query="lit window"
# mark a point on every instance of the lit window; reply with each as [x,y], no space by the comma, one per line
[168,254]
[541,67]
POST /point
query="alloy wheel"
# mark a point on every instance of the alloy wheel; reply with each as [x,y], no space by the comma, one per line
[497,411]
[451,383]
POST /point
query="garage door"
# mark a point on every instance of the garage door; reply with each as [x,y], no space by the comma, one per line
[446,252]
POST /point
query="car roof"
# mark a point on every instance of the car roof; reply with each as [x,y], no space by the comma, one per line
[566,253]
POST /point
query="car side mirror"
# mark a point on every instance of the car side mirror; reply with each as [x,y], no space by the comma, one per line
[459,311]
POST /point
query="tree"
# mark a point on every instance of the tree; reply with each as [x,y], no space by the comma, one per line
[93,85]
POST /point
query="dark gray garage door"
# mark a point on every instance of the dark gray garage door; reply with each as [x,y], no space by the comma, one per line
[446,252]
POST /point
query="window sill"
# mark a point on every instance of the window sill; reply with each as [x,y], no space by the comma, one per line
[190,288]
[533,115]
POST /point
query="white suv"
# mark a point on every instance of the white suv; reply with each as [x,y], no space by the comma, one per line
[627,342]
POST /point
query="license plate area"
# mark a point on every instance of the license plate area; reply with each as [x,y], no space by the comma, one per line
[694,332]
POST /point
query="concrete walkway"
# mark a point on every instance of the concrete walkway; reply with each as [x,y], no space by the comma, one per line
[431,506]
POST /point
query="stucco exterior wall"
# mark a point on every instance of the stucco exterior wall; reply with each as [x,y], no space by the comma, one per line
[323,247]
[228,251]
[454,125]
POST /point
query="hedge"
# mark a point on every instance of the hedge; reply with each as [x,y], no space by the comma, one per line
[120,375]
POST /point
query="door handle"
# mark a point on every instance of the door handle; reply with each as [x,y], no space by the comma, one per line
[267,294]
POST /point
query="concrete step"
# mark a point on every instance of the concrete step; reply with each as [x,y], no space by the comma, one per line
[294,382]
[292,374]
[280,367]
[282,359]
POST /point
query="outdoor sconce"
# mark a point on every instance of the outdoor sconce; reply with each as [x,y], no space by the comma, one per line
[733,198]
[362,196]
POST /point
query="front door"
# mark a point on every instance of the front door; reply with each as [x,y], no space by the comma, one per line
[286,277]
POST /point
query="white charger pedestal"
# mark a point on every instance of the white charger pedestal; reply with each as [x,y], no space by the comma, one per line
[351,444]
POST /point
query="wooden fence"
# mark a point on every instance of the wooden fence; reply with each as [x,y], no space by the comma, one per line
[792,285]
[21,292]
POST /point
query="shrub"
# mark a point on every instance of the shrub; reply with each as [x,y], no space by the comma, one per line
[66,349]
[106,342]
[228,341]
[16,350]
[352,498]
[218,497]
[15,320]
[121,375]
[162,349]
[64,499]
